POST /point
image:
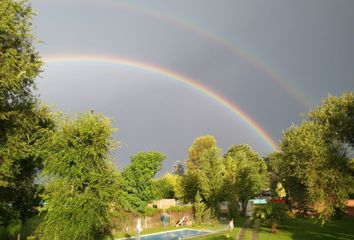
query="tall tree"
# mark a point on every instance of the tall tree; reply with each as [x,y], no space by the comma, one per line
[82,188]
[204,171]
[314,165]
[178,168]
[196,151]
[212,177]
[23,122]
[138,178]
[316,156]
[245,176]
[337,114]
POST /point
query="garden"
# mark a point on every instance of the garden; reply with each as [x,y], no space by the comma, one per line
[58,180]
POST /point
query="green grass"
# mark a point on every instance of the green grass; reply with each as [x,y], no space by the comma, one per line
[223,233]
[297,229]
[307,229]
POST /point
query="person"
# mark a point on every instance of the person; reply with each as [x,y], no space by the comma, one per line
[164,219]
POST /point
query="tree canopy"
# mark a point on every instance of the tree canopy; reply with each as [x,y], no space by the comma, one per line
[315,161]
[245,176]
[138,178]
[81,185]
[23,121]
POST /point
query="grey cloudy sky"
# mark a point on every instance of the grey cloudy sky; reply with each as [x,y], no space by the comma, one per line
[306,46]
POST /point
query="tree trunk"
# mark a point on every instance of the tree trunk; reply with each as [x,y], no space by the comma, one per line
[18,236]
[244,207]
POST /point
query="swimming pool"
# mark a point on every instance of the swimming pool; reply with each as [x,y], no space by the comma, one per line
[172,235]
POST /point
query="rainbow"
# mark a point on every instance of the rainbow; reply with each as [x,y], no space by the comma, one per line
[173,76]
[213,38]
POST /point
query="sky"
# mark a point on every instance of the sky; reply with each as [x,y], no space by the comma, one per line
[167,72]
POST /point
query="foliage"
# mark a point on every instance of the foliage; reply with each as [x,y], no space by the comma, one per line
[179,209]
[314,165]
[272,214]
[211,177]
[150,212]
[280,190]
[166,186]
[245,177]
[337,114]
[178,168]
[138,179]
[82,188]
[23,122]
[205,171]
[190,185]
[196,151]
[200,208]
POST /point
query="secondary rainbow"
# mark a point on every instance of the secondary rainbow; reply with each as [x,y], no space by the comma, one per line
[174,76]
[213,38]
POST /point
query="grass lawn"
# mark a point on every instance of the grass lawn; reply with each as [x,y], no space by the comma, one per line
[306,229]
[223,233]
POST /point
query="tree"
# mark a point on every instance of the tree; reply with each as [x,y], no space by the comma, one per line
[191,181]
[204,172]
[200,208]
[272,214]
[337,114]
[138,179]
[314,165]
[166,186]
[245,177]
[178,168]
[82,188]
[23,121]
[212,177]
[196,151]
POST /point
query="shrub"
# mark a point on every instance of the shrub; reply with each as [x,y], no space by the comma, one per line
[179,209]
[150,212]
[272,214]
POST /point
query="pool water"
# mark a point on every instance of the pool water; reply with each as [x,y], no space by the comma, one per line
[173,235]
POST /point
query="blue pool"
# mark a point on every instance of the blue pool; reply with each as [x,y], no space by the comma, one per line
[172,235]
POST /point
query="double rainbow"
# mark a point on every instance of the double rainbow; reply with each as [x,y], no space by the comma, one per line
[176,77]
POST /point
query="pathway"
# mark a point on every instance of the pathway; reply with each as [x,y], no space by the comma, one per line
[254,235]
[242,233]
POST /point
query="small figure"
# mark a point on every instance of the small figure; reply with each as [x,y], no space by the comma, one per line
[164,219]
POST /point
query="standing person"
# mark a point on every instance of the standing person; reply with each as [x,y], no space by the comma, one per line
[164,219]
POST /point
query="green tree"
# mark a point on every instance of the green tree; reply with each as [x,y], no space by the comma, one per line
[245,177]
[23,122]
[191,181]
[204,171]
[138,178]
[315,165]
[165,186]
[337,114]
[212,177]
[200,208]
[196,151]
[82,188]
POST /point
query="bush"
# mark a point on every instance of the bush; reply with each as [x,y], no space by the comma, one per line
[150,212]
[179,209]
[272,214]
